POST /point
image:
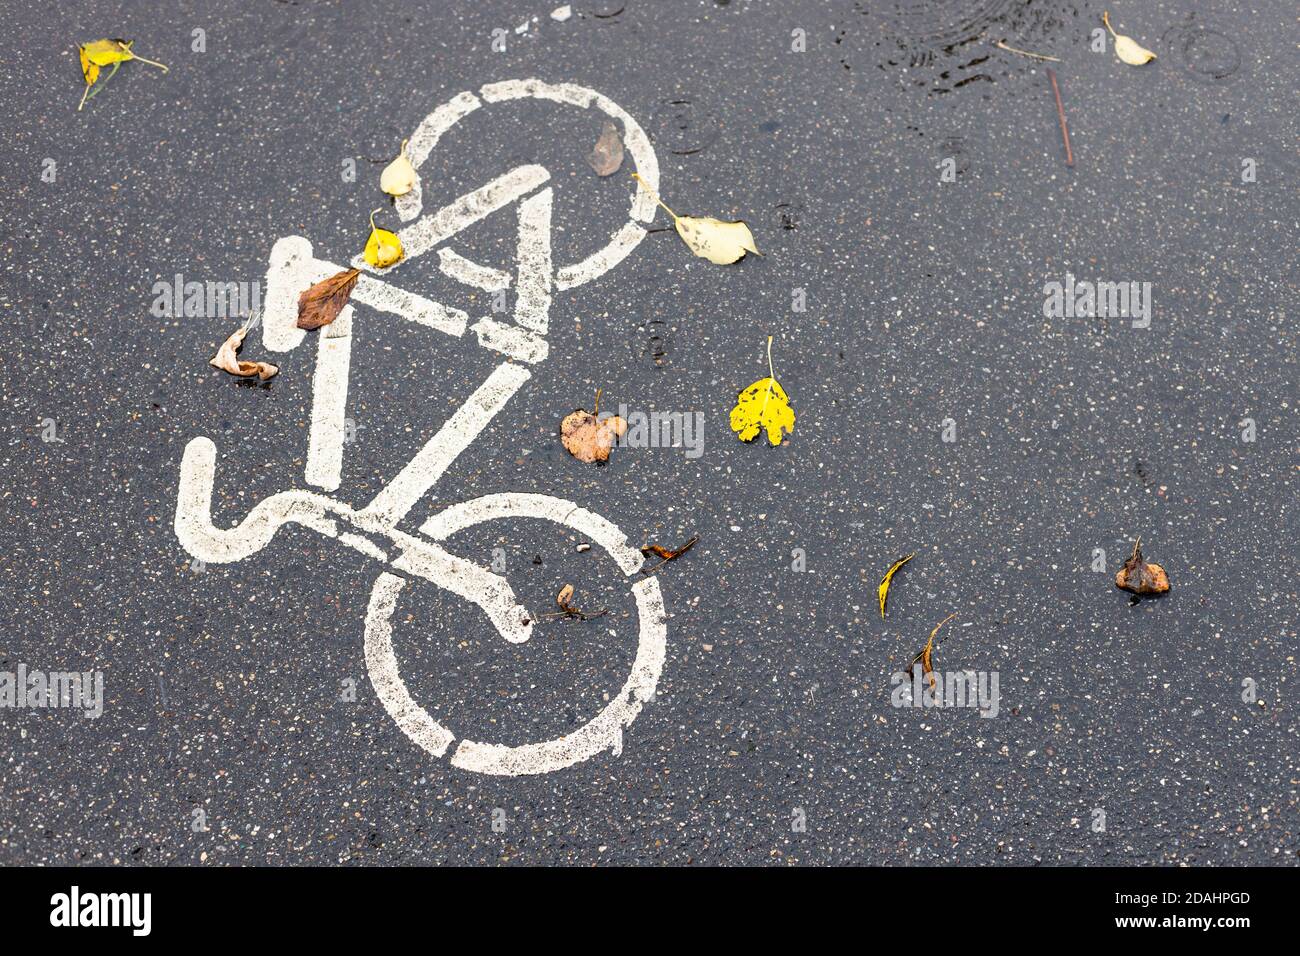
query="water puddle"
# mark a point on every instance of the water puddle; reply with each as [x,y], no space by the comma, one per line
[1200,52]
[682,126]
[943,47]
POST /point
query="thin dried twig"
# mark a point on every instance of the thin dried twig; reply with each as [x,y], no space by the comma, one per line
[1060,114]
[1002,45]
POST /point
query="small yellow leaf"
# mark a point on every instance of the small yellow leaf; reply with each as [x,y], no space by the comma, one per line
[764,405]
[889,575]
[1126,48]
[90,71]
[99,53]
[88,68]
[107,52]
[722,243]
[398,177]
[383,248]
[926,657]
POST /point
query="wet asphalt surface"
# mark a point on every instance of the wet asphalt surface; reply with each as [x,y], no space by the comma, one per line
[225,685]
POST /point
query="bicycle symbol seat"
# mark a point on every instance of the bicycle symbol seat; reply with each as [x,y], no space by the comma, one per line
[373,528]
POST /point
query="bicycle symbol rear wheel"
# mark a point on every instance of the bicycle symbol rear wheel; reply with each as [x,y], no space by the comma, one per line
[602,732]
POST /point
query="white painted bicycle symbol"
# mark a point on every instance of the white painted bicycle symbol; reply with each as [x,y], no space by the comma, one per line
[373,529]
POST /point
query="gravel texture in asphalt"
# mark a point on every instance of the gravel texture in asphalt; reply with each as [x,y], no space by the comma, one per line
[906,182]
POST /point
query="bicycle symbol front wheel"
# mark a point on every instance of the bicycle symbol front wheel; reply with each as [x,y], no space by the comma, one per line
[602,732]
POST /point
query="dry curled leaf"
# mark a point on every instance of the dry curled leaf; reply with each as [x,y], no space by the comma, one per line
[667,554]
[398,177]
[321,303]
[1139,577]
[764,405]
[926,657]
[1126,48]
[722,243]
[564,600]
[587,437]
[607,156]
[889,576]
[383,248]
[227,359]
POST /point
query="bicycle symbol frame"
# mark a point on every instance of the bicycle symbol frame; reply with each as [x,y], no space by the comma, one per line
[373,529]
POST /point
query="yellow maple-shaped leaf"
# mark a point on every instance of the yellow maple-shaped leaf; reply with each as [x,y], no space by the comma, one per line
[722,243]
[99,53]
[383,248]
[107,52]
[764,405]
[1126,48]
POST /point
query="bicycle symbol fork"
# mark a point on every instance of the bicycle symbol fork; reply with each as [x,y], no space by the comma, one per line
[373,528]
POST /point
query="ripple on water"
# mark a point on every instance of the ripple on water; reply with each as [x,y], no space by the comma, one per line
[1200,52]
[947,46]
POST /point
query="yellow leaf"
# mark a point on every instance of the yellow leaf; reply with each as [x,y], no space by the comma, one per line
[90,71]
[99,53]
[398,177]
[1126,48]
[764,405]
[889,575]
[926,657]
[88,68]
[108,52]
[722,243]
[383,248]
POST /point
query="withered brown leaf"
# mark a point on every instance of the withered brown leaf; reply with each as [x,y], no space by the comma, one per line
[227,358]
[564,601]
[667,554]
[607,156]
[1139,577]
[589,438]
[926,657]
[321,304]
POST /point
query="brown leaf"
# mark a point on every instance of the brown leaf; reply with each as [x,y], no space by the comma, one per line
[588,438]
[227,359]
[322,303]
[926,657]
[568,610]
[607,156]
[667,554]
[1139,577]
